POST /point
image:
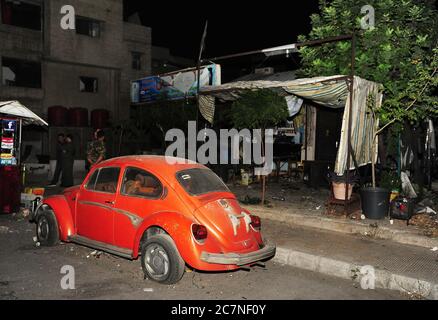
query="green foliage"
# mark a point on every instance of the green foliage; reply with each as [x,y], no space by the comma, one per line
[258,110]
[398,53]
[390,180]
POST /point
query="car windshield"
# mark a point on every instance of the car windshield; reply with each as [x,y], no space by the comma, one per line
[200,181]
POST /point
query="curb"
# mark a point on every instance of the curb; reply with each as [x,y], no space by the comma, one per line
[347,227]
[350,271]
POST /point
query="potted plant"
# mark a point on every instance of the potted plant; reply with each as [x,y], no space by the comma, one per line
[339,184]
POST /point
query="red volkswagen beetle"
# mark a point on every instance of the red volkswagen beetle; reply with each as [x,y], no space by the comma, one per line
[170,214]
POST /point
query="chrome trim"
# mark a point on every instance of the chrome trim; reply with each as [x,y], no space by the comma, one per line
[135,219]
[126,253]
[239,259]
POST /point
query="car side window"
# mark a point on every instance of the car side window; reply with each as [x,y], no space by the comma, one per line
[106,180]
[91,184]
[140,183]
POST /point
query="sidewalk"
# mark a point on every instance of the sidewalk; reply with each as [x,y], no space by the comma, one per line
[409,269]
[377,229]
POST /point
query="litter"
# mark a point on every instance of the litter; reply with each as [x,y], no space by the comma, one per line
[427,210]
[434,249]
[95,254]
[35,239]
[4,229]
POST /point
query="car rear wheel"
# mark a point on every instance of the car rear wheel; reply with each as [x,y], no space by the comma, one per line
[47,229]
[161,260]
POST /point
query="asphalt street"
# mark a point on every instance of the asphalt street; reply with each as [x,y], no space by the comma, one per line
[31,272]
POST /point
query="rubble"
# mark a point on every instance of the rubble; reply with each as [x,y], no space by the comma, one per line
[22,214]
[95,254]
[4,229]
[427,222]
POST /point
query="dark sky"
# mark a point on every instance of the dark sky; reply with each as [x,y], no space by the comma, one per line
[234,26]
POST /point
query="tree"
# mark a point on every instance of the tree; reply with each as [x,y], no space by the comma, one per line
[397,52]
[261,109]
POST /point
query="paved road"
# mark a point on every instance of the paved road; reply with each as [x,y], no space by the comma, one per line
[30,272]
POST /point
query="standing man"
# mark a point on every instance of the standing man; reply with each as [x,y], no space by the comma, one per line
[96,150]
[59,152]
[68,158]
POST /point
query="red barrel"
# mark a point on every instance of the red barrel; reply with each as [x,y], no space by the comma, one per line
[58,116]
[78,117]
[99,118]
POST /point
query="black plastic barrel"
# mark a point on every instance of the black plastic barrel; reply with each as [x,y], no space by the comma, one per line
[375,202]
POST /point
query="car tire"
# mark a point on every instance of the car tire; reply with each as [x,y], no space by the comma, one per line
[161,260]
[47,229]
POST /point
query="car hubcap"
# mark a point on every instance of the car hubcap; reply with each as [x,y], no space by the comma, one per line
[43,229]
[157,261]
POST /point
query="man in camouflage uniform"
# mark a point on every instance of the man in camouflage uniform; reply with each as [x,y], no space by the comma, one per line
[96,151]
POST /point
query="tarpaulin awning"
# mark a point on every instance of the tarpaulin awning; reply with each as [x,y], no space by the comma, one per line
[16,109]
[332,92]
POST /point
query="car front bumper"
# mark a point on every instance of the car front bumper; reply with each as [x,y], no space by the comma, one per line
[239,259]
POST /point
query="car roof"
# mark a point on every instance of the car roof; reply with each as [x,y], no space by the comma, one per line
[162,165]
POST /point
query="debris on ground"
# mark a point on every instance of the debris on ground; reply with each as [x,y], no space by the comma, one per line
[427,210]
[427,222]
[4,229]
[95,254]
[434,249]
[22,214]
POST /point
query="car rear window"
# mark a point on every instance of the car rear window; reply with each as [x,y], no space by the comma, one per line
[199,181]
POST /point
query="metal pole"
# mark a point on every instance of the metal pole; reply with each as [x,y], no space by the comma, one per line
[306,132]
[351,89]
[19,143]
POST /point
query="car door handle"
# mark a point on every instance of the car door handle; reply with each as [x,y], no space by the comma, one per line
[110,202]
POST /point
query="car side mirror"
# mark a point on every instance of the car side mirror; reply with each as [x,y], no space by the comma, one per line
[165,192]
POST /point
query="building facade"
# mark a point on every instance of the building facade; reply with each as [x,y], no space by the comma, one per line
[43,65]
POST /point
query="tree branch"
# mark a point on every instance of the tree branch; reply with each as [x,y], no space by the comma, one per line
[409,107]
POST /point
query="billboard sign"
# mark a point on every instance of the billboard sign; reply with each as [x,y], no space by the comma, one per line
[174,86]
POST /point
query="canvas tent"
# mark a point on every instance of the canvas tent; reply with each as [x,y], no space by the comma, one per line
[17,110]
[331,92]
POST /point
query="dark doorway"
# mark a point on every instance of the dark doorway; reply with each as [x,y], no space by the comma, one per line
[328,133]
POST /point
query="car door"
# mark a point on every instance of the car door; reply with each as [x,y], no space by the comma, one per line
[141,193]
[96,205]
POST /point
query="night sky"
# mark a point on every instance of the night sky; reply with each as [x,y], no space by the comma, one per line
[234,26]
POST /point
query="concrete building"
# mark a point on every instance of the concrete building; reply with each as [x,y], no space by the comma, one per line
[43,65]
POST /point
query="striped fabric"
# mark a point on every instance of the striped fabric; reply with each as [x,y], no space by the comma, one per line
[327,91]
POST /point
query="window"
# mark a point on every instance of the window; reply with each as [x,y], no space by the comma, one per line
[104,180]
[136,60]
[21,73]
[137,182]
[88,27]
[200,181]
[88,84]
[91,184]
[21,14]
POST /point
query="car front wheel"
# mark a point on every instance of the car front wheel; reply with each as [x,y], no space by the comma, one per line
[161,260]
[47,229]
